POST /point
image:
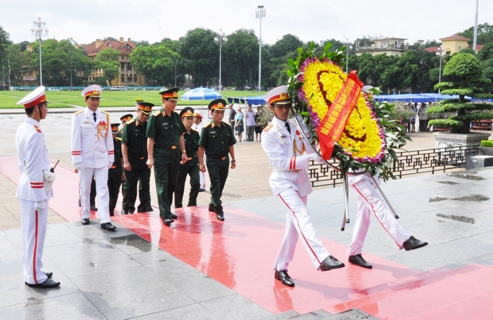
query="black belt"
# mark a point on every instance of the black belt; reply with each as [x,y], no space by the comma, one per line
[136,157]
[166,147]
[217,157]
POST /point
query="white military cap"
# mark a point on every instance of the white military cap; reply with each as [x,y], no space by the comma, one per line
[34,98]
[92,91]
[278,95]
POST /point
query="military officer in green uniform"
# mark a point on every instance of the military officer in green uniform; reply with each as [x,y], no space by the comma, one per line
[134,151]
[165,149]
[191,167]
[115,172]
[217,141]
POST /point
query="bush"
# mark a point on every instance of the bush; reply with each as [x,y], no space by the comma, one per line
[487,143]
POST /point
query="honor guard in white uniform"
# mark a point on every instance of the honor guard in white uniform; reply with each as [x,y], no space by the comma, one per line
[289,155]
[370,200]
[197,125]
[34,189]
[93,154]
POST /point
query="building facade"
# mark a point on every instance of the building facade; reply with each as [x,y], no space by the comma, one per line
[388,46]
[127,77]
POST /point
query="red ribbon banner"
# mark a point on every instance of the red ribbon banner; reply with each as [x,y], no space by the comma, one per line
[334,122]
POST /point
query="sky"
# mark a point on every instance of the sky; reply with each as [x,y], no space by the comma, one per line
[309,20]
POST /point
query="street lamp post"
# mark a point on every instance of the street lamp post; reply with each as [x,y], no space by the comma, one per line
[475,41]
[259,14]
[220,39]
[176,62]
[348,47]
[440,53]
[3,81]
[38,32]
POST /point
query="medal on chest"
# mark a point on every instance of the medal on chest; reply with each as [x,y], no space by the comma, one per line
[102,129]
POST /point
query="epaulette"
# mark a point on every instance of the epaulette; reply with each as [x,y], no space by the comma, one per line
[118,138]
[37,129]
[157,113]
[269,126]
[106,113]
[77,112]
[229,125]
[207,125]
[130,121]
[195,130]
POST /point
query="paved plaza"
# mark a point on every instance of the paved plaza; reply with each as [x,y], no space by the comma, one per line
[201,268]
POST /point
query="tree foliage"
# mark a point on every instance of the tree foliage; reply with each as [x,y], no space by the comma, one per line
[463,77]
[107,60]
[156,63]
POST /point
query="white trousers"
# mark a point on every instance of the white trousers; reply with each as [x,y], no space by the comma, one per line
[298,225]
[85,179]
[33,228]
[371,201]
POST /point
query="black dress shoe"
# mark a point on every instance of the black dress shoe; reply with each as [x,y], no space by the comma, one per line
[359,261]
[49,274]
[173,216]
[284,277]
[413,243]
[211,208]
[84,221]
[220,216]
[108,226]
[201,190]
[330,263]
[48,283]
[93,207]
[124,212]
[168,221]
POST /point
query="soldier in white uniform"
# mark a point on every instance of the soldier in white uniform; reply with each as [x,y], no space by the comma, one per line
[93,154]
[33,191]
[370,200]
[197,125]
[289,156]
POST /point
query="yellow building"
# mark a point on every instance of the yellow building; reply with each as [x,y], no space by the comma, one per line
[127,76]
[454,43]
[388,46]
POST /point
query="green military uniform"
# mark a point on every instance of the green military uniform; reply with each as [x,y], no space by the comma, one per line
[191,167]
[115,173]
[216,142]
[134,137]
[166,131]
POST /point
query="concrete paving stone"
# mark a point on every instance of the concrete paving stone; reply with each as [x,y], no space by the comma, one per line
[88,257]
[131,244]
[161,262]
[199,286]
[235,307]
[125,304]
[134,280]
[290,314]
[72,306]
[188,312]
[354,314]
[14,292]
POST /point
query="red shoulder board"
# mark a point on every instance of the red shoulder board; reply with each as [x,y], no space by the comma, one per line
[37,129]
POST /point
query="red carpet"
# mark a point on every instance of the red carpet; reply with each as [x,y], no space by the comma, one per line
[240,254]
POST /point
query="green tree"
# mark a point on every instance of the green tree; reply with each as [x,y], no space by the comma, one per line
[107,60]
[239,57]
[463,75]
[200,56]
[4,43]
[17,60]
[285,46]
[485,33]
[155,63]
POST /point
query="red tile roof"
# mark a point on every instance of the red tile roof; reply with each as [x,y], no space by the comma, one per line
[455,37]
[432,49]
[96,46]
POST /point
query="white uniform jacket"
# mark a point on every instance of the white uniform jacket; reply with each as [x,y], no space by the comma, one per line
[288,156]
[33,161]
[92,141]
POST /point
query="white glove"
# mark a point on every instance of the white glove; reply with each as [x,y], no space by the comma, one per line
[316,158]
[39,205]
[110,165]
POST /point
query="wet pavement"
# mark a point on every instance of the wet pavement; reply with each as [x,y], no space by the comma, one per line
[201,268]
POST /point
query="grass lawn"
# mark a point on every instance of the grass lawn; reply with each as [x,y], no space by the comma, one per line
[67,99]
